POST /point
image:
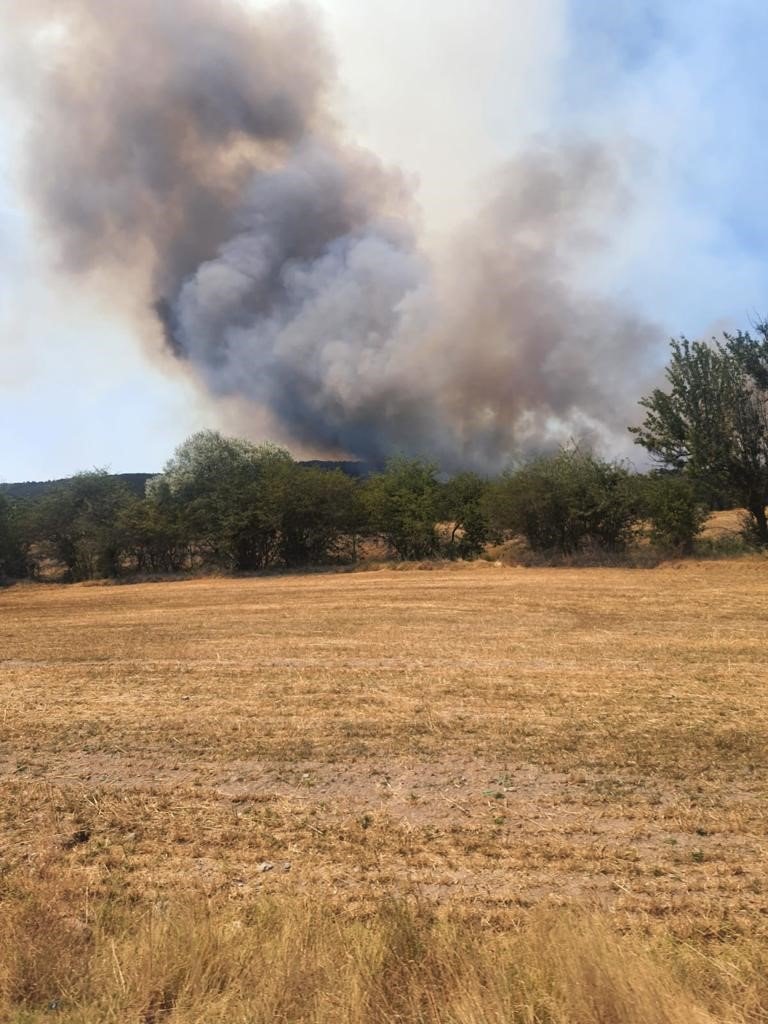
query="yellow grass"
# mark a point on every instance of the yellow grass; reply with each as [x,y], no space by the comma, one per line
[728,524]
[487,794]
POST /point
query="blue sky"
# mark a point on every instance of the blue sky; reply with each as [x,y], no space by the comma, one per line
[687,79]
[681,86]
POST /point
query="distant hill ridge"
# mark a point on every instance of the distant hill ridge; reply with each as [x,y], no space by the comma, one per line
[136,482]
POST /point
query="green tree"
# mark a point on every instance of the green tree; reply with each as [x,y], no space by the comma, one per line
[13,552]
[751,350]
[321,515]
[712,420]
[231,494]
[673,510]
[564,502]
[155,532]
[462,503]
[79,522]
[402,506]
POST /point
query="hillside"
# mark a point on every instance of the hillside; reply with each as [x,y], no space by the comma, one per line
[136,482]
[37,488]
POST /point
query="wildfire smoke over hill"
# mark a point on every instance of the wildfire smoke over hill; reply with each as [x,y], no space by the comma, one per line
[196,139]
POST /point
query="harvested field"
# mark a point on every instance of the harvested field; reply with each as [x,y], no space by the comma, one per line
[485,743]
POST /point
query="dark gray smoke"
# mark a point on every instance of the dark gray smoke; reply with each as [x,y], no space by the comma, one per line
[193,139]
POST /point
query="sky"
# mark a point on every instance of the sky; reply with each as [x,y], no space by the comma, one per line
[447,92]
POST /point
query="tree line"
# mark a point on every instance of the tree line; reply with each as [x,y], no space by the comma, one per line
[229,504]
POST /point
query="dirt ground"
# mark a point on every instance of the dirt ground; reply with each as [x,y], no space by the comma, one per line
[488,737]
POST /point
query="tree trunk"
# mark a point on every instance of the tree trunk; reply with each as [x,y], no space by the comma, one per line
[757,511]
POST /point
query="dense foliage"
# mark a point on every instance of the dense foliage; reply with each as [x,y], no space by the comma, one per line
[567,502]
[224,503]
[712,421]
[12,555]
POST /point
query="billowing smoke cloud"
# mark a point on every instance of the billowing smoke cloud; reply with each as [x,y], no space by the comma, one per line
[194,138]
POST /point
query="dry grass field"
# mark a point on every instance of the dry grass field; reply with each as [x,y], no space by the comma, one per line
[462,795]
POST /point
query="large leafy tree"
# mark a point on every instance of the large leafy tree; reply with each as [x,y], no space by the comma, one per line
[156,533]
[79,524]
[230,494]
[711,422]
[321,515]
[402,507]
[246,507]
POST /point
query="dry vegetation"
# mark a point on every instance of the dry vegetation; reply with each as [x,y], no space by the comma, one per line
[469,795]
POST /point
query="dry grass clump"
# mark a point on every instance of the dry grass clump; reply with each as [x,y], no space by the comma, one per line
[729,523]
[303,960]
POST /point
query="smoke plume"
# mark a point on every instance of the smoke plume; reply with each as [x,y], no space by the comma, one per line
[193,139]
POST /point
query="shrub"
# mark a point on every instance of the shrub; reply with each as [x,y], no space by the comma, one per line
[674,512]
[13,562]
[401,506]
[567,501]
[320,516]
[463,505]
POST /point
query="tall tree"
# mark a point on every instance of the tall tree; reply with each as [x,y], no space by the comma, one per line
[712,420]
[320,517]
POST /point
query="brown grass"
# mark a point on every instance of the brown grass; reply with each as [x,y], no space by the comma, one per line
[725,524]
[237,799]
[299,960]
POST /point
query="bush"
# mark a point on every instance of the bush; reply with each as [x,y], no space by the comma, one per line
[463,505]
[320,517]
[401,506]
[674,512]
[566,502]
[729,545]
[13,561]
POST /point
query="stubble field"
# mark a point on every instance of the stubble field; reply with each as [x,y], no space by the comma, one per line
[488,749]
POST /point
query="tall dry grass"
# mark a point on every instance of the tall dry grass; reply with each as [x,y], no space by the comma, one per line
[284,960]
